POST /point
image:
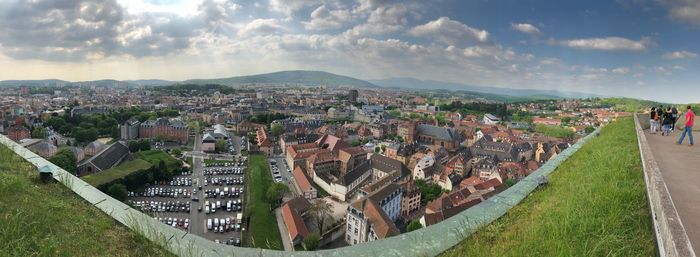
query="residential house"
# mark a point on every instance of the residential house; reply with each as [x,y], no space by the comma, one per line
[303,184]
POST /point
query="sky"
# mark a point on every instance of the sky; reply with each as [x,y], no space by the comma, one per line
[634,48]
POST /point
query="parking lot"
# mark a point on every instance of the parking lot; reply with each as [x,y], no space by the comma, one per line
[208,203]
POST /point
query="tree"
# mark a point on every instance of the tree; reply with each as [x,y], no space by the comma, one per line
[220,146]
[276,129]
[510,182]
[134,146]
[39,133]
[117,191]
[566,120]
[65,159]
[276,192]
[413,225]
[321,211]
[589,129]
[311,242]
[176,151]
[429,192]
[377,149]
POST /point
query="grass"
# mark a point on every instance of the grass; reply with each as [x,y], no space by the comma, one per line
[154,157]
[554,131]
[50,220]
[595,205]
[264,230]
[117,172]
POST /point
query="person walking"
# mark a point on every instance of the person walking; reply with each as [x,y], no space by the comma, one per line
[666,122]
[652,120]
[674,115]
[689,122]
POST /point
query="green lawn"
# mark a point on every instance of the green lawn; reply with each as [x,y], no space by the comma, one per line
[118,172]
[265,233]
[50,220]
[595,205]
[154,157]
[554,131]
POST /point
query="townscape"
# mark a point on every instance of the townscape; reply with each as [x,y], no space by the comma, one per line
[293,166]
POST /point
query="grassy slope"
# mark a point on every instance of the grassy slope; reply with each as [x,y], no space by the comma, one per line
[263,225]
[594,205]
[50,220]
[154,156]
[120,171]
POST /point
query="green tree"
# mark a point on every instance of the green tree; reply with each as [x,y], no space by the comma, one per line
[311,242]
[177,151]
[510,182]
[566,120]
[220,146]
[55,122]
[117,191]
[589,129]
[65,159]
[429,192]
[413,225]
[377,149]
[321,211]
[276,129]
[276,192]
[39,133]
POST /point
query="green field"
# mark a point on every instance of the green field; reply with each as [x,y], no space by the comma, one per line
[264,230]
[595,205]
[554,131]
[50,220]
[154,157]
[117,172]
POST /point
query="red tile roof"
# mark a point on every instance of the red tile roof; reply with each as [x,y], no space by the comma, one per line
[295,224]
[300,178]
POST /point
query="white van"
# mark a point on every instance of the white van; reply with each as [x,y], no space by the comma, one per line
[228,206]
[216,222]
[213,207]
[209,224]
[206,209]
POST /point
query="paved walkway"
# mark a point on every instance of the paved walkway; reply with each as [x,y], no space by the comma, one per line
[283,231]
[680,167]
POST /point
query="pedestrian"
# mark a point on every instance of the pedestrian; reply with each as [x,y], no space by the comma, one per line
[666,123]
[674,112]
[659,117]
[652,120]
[689,122]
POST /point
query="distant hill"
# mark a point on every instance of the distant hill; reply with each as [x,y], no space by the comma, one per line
[309,78]
[432,84]
[151,82]
[34,83]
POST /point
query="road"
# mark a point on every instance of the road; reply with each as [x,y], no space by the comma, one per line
[287,176]
[679,168]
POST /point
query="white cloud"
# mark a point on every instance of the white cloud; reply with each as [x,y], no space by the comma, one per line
[607,44]
[288,7]
[322,18]
[526,28]
[621,70]
[449,31]
[383,20]
[260,27]
[683,10]
[679,55]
